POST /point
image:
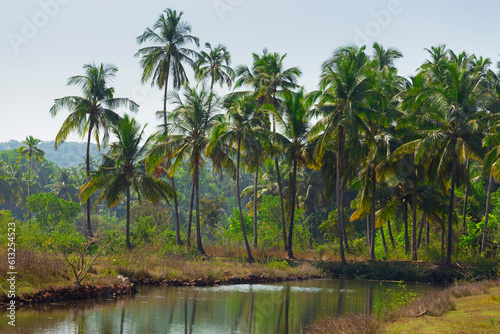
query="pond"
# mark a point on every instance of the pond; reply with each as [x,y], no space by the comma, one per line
[246,308]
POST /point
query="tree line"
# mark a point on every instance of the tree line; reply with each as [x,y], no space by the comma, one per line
[368,143]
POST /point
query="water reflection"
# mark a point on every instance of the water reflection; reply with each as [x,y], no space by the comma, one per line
[259,308]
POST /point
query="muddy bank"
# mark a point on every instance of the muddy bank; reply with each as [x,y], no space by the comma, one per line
[249,279]
[52,295]
[99,291]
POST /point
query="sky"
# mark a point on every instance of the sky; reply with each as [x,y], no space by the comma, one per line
[44,42]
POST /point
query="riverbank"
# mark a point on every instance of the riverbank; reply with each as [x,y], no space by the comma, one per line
[44,277]
[462,308]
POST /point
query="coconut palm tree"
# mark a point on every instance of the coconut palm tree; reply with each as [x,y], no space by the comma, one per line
[450,129]
[268,77]
[239,132]
[123,170]
[93,113]
[63,184]
[164,60]
[214,65]
[192,120]
[30,151]
[344,90]
[296,111]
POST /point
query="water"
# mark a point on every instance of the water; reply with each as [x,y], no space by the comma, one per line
[247,308]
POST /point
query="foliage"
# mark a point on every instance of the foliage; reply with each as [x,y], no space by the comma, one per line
[51,211]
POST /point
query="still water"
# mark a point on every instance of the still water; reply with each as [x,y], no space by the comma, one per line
[247,308]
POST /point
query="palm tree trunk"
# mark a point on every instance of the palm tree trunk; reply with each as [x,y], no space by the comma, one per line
[374,201]
[178,240]
[87,160]
[383,239]
[414,219]
[422,223]
[193,189]
[442,242]
[405,218]
[198,224]
[255,206]
[165,94]
[338,190]
[450,209]
[238,195]
[368,231]
[127,228]
[282,207]
[391,237]
[487,213]
[292,209]
[29,190]
[427,233]
[346,241]
[466,195]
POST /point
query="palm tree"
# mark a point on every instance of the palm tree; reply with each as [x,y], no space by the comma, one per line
[294,116]
[30,151]
[238,132]
[93,113]
[345,87]
[450,129]
[192,121]
[123,169]
[164,59]
[63,184]
[268,77]
[215,66]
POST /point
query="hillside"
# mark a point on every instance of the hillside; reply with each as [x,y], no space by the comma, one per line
[69,154]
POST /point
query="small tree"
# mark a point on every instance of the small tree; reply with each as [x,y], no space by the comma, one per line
[76,249]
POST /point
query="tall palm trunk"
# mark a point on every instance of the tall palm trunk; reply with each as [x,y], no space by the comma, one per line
[338,190]
[172,179]
[374,201]
[414,219]
[238,195]
[422,223]
[405,218]
[87,161]
[282,207]
[193,189]
[450,209]
[199,246]
[487,213]
[255,206]
[29,189]
[466,195]
[382,236]
[292,209]
[127,228]
[391,237]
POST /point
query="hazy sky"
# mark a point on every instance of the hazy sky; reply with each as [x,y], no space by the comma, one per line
[44,42]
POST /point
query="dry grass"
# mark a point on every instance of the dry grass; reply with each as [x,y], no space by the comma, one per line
[436,304]
[347,324]
[35,271]
[222,263]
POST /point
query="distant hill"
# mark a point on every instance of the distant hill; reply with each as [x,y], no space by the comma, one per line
[69,154]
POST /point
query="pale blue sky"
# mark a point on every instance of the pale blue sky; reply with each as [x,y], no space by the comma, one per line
[44,42]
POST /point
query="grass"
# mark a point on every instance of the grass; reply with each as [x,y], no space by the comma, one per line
[38,271]
[462,308]
[472,314]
